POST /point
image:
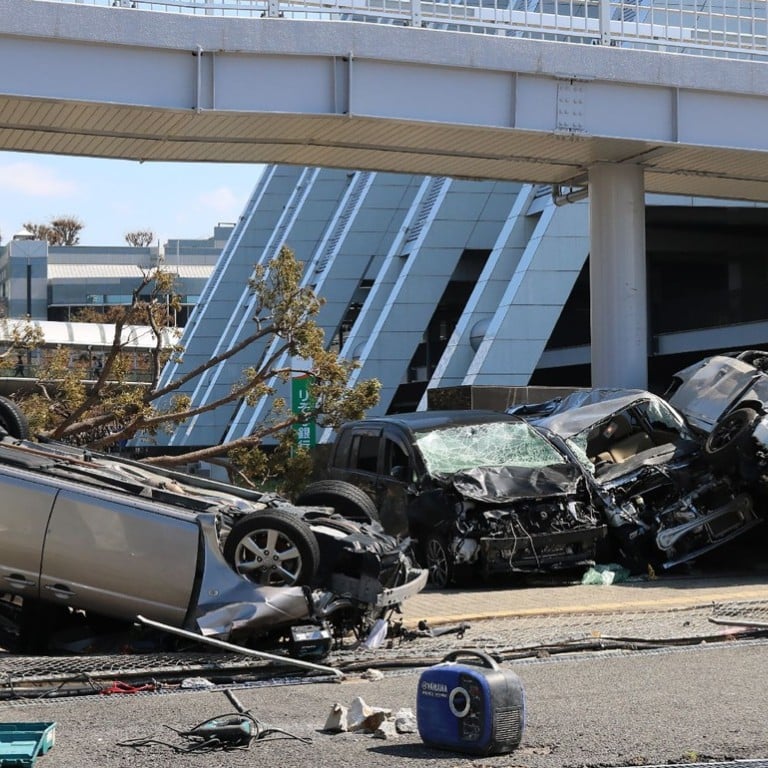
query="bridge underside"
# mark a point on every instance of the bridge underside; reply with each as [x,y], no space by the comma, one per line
[134,84]
[154,135]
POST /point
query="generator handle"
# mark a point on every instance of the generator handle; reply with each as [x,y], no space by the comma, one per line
[482,655]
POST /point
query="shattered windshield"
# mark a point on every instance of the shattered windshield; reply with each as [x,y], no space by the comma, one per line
[493,444]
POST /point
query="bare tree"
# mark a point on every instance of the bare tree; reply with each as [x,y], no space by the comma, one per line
[67,229]
[38,231]
[141,238]
[62,230]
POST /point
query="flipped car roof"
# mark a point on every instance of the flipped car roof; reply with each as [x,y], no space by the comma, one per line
[581,417]
[419,421]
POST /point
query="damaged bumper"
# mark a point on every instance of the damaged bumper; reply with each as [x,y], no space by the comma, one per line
[553,550]
[715,528]
[416,580]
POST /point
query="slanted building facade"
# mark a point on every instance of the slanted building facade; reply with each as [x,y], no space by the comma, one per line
[433,283]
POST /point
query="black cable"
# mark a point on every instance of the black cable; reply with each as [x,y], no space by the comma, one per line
[221,732]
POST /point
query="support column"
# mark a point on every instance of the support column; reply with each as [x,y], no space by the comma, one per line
[617,276]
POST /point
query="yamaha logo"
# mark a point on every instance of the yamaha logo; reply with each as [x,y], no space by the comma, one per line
[434,689]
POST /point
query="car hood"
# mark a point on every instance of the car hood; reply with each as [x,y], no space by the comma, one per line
[495,485]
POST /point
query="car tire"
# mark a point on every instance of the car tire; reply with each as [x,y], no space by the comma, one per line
[13,420]
[348,500]
[730,435]
[438,561]
[273,548]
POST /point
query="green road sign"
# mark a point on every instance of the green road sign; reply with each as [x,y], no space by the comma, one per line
[303,402]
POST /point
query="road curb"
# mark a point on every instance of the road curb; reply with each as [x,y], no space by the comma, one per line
[698,599]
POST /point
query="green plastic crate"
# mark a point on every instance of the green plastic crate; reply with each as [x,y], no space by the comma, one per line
[21,743]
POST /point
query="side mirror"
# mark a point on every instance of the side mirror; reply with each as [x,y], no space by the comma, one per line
[400,473]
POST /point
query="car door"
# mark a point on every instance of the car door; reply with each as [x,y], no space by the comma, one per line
[120,556]
[24,513]
[396,476]
[356,459]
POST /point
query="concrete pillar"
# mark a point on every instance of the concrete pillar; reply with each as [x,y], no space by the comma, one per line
[619,318]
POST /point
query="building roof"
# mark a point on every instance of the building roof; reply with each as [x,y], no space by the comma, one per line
[98,271]
[91,334]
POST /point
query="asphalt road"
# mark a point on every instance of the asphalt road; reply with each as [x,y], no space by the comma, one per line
[691,690]
[614,709]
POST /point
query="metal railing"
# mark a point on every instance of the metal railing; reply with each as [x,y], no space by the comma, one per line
[727,28]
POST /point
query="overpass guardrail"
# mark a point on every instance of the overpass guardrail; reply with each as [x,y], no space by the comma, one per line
[726,28]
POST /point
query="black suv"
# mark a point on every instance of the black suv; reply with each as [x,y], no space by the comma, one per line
[478,491]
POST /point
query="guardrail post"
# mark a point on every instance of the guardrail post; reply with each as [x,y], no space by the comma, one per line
[415,13]
[604,17]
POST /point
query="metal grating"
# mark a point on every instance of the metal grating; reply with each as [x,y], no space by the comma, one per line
[436,185]
[524,638]
[362,180]
[752,613]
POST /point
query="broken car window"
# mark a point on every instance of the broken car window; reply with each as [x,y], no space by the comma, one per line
[494,444]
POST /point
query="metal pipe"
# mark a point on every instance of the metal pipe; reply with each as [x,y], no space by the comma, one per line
[563,198]
[239,648]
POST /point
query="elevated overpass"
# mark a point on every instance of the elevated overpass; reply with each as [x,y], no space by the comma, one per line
[667,100]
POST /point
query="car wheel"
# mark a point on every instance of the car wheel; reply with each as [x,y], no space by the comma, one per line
[730,434]
[13,420]
[273,548]
[348,500]
[438,561]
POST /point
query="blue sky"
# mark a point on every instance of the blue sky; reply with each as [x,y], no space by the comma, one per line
[112,197]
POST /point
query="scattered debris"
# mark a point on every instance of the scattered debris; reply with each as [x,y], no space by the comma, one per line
[225,732]
[120,687]
[405,721]
[605,575]
[386,730]
[360,717]
[424,630]
[377,635]
[338,719]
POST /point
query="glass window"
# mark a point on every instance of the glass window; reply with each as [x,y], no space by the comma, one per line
[366,452]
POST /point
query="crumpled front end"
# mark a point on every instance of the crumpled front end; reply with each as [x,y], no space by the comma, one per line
[664,518]
[524,519]
[367,573]
[364,574]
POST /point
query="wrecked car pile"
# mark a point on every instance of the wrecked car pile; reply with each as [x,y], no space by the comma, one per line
[662,498]
[619,474]
[90,534]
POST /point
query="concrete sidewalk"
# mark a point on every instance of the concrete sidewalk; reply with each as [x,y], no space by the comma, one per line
[663,594]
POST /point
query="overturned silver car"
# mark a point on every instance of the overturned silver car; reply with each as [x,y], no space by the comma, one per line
[664,501]
[88,532]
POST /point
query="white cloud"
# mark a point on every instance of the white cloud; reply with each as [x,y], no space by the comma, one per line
[35,180]
[222,201]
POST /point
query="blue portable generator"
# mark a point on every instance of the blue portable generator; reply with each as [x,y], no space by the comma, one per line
[470,708]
